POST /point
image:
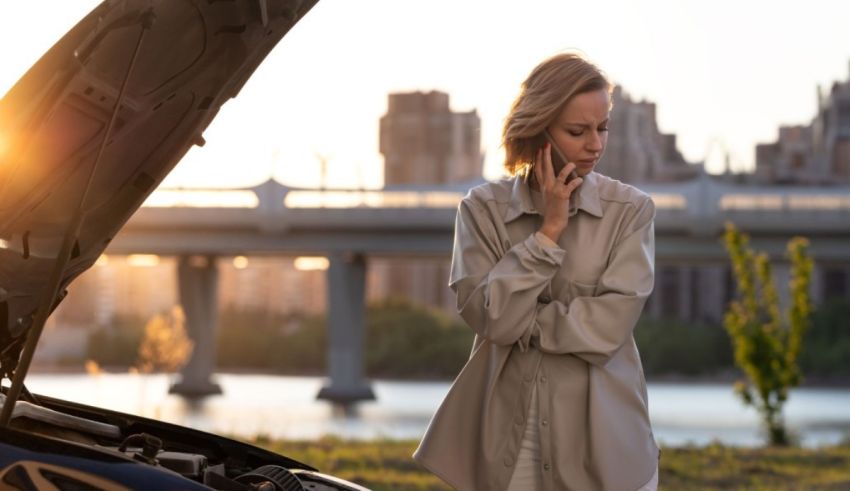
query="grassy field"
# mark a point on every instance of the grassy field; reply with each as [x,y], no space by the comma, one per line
[387,465]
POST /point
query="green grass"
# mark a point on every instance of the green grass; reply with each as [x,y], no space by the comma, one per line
[720,467]
[387,465]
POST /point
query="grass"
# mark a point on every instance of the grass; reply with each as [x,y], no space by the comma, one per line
[387,465]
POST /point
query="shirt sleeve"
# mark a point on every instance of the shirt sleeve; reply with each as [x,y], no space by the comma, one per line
[595,327]
[497,290]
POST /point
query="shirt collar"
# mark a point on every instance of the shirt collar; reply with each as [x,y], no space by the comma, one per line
[587,198]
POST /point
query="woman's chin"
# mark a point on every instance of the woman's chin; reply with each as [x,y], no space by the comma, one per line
[583,171]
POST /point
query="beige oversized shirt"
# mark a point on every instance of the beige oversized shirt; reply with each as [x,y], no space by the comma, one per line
[557,315]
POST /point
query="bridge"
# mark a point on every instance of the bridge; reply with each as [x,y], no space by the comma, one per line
[351,226]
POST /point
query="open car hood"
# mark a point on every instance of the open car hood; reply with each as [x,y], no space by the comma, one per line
[193,56]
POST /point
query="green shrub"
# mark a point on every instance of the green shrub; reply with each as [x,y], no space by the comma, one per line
[118,344]
[676,347]
[261,339]
[826,349]
[400,340]
[767,342]
[406,340]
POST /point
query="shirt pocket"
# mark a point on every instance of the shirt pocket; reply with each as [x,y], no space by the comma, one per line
[583,269]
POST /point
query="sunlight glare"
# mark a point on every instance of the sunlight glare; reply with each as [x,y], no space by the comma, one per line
[143,260]
[240,262]
[307,263]
[188,198]
[4,147]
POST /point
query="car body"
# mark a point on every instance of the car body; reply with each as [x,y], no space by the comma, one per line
[90,131]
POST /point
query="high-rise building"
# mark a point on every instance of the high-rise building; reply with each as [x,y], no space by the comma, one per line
[424,142]
[637,151]
[817,153]
[272,284]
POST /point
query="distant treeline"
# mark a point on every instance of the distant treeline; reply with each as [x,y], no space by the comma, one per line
[404,340]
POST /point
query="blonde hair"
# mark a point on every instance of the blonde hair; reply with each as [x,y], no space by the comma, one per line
[549,87]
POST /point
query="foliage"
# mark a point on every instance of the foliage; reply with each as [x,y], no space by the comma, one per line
[165,345]
[261,339]
[118,344]
[673,346]
[766,345]
[404,339]
[826,349]
[401,340]
[388,465]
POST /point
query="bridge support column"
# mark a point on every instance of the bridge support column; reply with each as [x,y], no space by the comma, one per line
[686,309]
[346,301]
[710,305]
[197,278]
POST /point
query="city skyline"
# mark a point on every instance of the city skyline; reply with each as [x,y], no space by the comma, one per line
[712,91]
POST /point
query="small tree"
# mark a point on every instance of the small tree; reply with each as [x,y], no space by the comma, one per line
[165,345]
[765,343]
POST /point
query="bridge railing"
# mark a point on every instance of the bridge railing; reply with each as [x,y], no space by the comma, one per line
[698,206]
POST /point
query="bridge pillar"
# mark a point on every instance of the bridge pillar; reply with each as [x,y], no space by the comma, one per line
[346,300]
[197,278]
[686,309]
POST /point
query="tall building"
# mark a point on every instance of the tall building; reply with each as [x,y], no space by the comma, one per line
[273,284]
[137,286]
[637,151]
[424,142]
[817,153]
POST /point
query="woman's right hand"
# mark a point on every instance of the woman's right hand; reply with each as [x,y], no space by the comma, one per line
[556,194]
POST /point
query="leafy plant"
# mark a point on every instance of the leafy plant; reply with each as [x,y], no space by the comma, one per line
[766,344]
[165,345]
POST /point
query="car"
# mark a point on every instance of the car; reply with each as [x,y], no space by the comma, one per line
[87,134]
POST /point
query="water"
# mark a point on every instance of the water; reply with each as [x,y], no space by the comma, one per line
[286,407]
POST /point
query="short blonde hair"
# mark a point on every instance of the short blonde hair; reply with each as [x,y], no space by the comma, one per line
[549,87]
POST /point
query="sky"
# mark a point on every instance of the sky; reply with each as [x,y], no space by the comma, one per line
[724,75]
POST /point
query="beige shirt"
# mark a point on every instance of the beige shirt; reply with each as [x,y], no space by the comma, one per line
[556,315]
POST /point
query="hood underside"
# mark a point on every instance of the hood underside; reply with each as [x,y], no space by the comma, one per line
[190,57]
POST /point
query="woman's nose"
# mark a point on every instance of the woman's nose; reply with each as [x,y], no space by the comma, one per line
[594,142]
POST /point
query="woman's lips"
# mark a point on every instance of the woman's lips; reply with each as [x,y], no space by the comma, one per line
[585,163]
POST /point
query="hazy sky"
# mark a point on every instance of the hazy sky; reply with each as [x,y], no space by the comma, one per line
[724,71]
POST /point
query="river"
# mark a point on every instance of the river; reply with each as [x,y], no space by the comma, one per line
[286,407]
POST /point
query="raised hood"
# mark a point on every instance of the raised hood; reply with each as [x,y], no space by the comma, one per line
[193,56]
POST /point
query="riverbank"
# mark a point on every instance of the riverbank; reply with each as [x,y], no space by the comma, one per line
[728,377]
[387,465]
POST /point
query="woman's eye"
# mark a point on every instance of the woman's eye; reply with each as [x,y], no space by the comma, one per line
[574,133]
[602,129]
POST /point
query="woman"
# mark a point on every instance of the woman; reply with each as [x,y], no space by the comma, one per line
[551,277]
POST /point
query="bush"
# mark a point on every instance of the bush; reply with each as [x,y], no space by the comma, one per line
[406,340]
[401,340]
[672,346]
[118,344]
[260,339]
[826,349]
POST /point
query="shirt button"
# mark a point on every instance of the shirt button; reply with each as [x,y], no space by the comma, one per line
[543,379]
[509,461]
[544,422]
[546,466]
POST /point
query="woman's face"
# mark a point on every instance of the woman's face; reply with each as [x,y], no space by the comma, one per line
[581,130]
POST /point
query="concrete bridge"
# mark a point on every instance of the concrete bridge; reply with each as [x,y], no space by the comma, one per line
[351,226]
